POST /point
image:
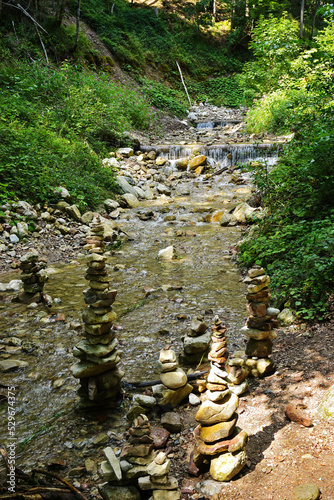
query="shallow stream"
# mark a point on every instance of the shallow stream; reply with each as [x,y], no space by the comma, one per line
[202,280]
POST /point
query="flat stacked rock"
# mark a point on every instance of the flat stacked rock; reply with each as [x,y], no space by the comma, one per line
[95,239]
[197,342]
[237,373]
[97,369]
[259,326]
[217,438]
[158,479]
[174,387]
[33,277]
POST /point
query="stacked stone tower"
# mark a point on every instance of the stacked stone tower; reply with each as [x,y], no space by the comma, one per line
[33,277]
[259,326]
[98,356]
[217,438]
[197,341]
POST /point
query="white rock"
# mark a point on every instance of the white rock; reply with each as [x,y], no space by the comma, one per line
[194,400]
[14,286]
[113,462]
[13,238]
[168,253]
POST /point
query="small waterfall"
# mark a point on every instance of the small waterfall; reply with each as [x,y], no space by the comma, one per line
[211,125]
[175,152]
[204,125]
[224,155]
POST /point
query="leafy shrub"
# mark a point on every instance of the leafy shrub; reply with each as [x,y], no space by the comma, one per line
[276,112]
[275,44]
[163,97]
[223,91]
[56,124]
[296,242]
[33,161]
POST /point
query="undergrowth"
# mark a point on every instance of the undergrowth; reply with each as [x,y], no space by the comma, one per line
[56,126]
[295,243]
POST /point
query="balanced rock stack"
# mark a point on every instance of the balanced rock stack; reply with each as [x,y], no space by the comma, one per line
[33,277]
[139,465]
[97,369]
[260,324]
[135,456]
[217,436]
[163,486]
[196,342]
[174,387]
[95,239]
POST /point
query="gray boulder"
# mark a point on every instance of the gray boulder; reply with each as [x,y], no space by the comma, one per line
[125,186]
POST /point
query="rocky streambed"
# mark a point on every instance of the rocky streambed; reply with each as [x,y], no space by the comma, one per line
[171,198]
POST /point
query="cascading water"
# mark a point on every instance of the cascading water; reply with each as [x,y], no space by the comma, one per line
[224,155]
[213,124]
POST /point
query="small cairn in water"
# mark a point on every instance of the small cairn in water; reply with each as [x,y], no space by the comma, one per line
[95,239]
[197,342]
[260,324]
[98,355]
[34,278]
[217,438]
[174,387]
[139,465]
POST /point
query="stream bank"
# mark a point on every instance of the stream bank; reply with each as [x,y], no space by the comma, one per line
[155,303]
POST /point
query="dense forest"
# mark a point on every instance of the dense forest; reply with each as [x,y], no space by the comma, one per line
[65,103]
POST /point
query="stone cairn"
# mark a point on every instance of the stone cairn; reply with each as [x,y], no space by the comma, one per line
[139,465]
[174,387]
[33,277]
[260,324]
[217,438]
[196,343]
[97,369]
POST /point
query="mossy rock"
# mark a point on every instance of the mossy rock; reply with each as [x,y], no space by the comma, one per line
[110,61]
[164,68]
[90,58]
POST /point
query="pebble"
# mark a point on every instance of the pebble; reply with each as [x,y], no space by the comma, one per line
[306,492]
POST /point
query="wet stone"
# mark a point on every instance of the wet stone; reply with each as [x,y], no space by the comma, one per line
[171,421]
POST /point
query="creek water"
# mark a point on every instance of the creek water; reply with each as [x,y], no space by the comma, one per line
[202,280]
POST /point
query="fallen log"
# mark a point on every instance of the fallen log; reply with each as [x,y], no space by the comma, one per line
[191,376]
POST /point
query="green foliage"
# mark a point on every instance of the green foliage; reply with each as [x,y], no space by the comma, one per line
[274,113]
[275,44]
[34,160]
[55,126]
[222,91]
[164,97]
[296,241]
[136,36]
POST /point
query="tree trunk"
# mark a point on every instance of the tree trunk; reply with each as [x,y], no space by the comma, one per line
[317,5]
[78,26]
[302,18]
[214,10]
[60,13]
